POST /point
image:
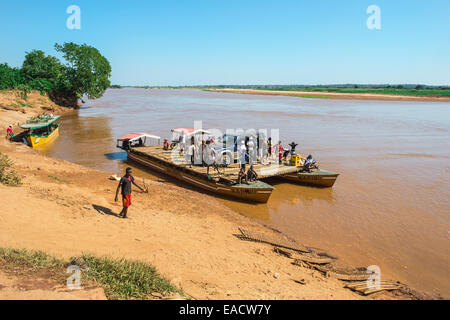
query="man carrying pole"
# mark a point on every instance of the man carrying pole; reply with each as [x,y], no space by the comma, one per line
[125,183]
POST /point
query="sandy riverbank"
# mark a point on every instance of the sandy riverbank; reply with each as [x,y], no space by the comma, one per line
[66,209]
[334,95]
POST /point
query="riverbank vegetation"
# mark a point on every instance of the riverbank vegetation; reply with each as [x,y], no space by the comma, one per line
[120,279]
[414,90]
[85,72]
[8,176]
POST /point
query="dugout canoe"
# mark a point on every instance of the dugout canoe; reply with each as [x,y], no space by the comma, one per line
[318,178]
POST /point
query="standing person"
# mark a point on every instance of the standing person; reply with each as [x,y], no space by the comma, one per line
[242,153]
[211,155]
[269,147]
[251,151]
[198,150]
[260,153]
[264,151]
[125,183]
[9,132]
[203,153]
[280,152]
[191,152]
[293,145]
[182,141]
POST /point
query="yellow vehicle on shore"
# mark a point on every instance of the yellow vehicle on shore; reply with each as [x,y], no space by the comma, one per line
[41,130]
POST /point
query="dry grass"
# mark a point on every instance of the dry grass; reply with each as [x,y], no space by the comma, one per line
[8,176]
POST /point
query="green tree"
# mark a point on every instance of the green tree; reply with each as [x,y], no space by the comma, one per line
[87,72]
[10,78]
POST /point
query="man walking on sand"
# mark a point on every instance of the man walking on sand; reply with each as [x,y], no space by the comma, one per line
[125,183]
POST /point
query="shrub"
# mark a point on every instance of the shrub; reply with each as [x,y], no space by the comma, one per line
[10,78]
[42,85]
[125,279]
[7,175]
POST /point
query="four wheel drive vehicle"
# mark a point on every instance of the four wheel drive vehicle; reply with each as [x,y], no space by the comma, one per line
[227,149]
[225,146]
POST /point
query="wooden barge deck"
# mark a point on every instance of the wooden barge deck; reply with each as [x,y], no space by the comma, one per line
[225,183]
[172,158]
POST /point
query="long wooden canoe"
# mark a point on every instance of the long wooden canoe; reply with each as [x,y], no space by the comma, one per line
[41,130]
[319,178]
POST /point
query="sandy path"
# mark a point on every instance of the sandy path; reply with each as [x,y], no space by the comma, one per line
[43,288]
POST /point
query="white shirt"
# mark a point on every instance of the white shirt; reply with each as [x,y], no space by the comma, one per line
[250,145]
[242,151]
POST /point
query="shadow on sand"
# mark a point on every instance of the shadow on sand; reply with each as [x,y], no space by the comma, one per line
[104,210]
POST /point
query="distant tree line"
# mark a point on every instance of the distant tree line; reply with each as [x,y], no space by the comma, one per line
[85,73]
[298,86]
[325,86]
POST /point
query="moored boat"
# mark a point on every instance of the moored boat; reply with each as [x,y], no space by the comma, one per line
[41,130]
[316,178]
[170,163]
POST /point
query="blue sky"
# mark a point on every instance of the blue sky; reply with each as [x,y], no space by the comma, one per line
[188,42]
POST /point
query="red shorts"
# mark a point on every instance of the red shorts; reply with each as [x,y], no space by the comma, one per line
[126,200]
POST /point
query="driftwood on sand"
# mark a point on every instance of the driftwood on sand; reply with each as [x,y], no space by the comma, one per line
[369,287]
[277,241]
[357,279]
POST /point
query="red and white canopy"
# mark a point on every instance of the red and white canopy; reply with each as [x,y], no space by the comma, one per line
[136,135]
[190,131]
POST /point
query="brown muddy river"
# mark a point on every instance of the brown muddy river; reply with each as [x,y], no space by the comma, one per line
[389,207]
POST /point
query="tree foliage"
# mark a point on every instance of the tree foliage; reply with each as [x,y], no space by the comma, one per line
[10,78]
[86,72]
[39,66]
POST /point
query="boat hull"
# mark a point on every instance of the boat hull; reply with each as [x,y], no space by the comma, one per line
[37,141]
[258,192]
[320,178]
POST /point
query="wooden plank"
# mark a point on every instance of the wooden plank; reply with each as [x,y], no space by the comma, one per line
[272,240]
[314,260]
[382,288]
[283,252]
[363,284]
[364,288]
[354,275]
[310,257]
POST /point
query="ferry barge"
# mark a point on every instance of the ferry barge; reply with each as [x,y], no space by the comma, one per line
[225,183]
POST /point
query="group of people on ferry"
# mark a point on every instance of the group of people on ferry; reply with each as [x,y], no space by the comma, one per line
[200,150]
